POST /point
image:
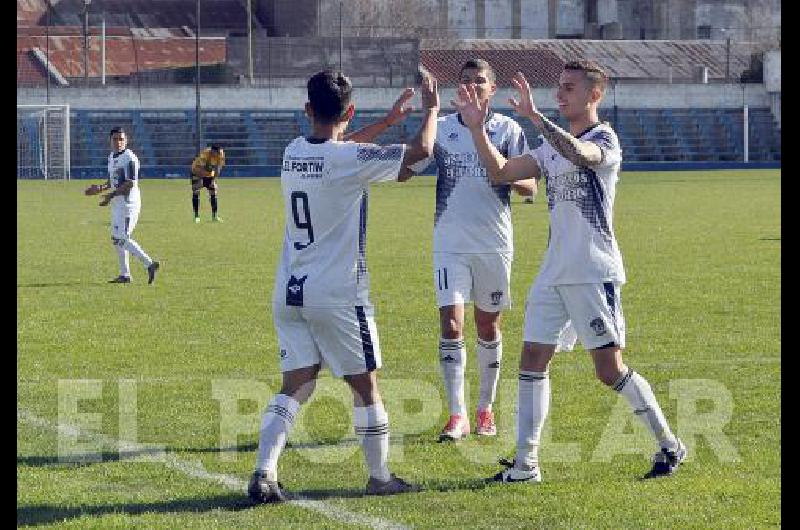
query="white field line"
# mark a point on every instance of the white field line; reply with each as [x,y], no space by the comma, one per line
[196,470]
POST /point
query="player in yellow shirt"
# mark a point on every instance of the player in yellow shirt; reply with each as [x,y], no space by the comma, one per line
[206,168]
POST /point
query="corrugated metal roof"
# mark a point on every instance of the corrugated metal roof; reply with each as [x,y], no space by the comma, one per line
[622,59]
[66,53]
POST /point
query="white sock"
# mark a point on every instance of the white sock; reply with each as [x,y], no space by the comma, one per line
[275,426]
[372,428]
[453,360]
[489,355]
[640,395]
[124,261]
[533,406]
[134,248]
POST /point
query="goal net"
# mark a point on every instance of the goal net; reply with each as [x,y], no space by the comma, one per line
[43,141]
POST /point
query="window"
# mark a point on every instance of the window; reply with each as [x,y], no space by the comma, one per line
[703,32]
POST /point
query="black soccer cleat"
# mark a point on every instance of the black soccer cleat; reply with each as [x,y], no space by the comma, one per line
[666,461]
[263,491]
[151,272]
[121,279]
[393,486]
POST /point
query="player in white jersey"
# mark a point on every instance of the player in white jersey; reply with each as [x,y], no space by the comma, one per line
[126,203]
[321,306]
[582,272]
[472,250]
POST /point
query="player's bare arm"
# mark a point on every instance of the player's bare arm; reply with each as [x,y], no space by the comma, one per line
[500,169]
[579,152]
[396,114]
[94,189]
[122,189]
[422,145]
[526,188]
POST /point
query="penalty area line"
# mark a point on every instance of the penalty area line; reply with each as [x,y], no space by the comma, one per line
[197,470]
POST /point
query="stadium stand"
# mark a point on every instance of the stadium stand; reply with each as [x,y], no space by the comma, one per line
[152,42]
[254,140]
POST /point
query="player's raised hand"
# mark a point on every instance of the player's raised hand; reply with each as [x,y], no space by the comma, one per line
[399,110]
[429,92]
[524,106]
[473,111]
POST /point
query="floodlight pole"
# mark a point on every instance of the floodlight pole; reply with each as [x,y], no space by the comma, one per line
[47,53]
[728,60]
[103,52]
[86,40]
[614,92]
[199,138]
[745,126]
[250,41]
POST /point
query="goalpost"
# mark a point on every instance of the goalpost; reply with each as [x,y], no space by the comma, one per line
[43,141]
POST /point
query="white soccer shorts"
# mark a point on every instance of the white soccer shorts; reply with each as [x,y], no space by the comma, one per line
[595,310]
[343,338]
[123,219]
[484,279]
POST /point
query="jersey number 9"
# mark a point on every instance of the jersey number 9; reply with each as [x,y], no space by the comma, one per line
[300,202]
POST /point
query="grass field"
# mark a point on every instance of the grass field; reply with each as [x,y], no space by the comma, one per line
[190,361]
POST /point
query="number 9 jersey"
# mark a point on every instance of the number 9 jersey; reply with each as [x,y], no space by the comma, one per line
[325,191]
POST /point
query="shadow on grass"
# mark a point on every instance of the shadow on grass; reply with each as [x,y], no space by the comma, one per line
[85,459]
[41,514]
[54,284]
[350,493]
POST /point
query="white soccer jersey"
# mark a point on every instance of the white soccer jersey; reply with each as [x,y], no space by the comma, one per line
[325,203]
[582,246]
[124,166]
[472,215]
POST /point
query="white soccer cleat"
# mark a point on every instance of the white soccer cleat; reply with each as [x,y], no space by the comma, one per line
[512,474]
[457,428]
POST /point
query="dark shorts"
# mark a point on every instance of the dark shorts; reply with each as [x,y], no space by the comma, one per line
[204,182]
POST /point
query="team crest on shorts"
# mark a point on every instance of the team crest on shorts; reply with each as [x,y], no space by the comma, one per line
[294,291]
[496,297]
[598,326]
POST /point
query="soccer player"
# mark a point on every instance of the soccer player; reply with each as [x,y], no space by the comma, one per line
[582,271]
[472,250]
[321,307]
[206,168]
[126,203]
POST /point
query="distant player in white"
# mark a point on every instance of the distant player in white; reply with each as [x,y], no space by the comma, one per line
[126,203]
[582,272]
[472,250]
[321,305]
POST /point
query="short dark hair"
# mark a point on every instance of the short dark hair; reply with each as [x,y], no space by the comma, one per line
[479,64]
[215,147]
[117,130]
[592,70]
[329,93]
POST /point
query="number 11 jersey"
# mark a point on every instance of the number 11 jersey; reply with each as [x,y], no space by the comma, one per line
[325,192]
